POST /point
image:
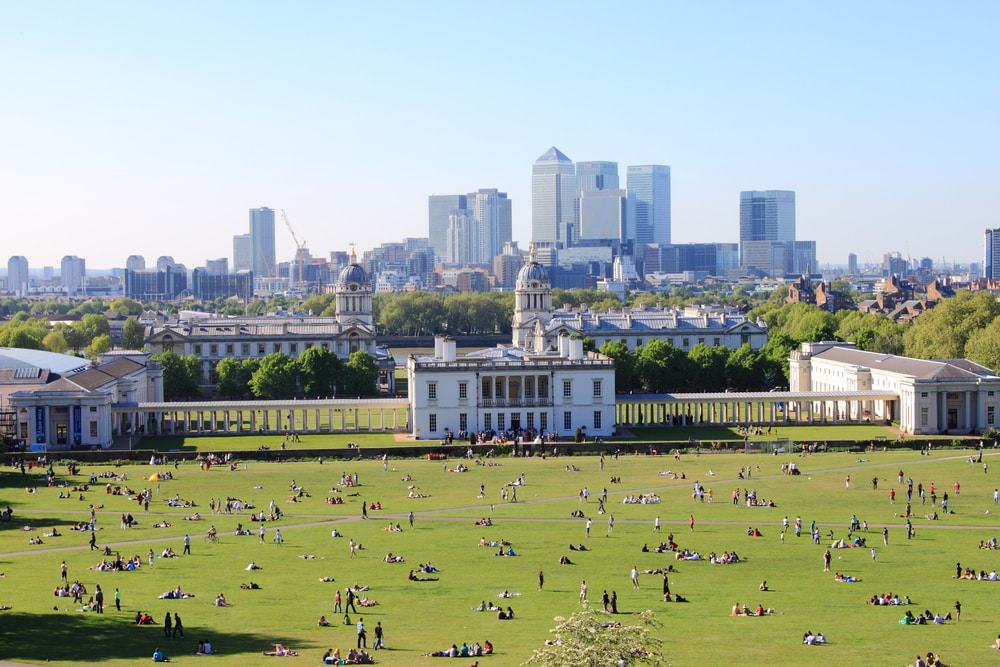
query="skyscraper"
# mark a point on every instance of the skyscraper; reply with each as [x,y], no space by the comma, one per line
[767,231]
[73,273]
[553,198]
[648,216]
[852,264]
[439,207]
[242,252]
[17,275]
[135,263]
[596,175]
[262,242]
[602,214]
[463,239]
[492,212]
[164,261]
[991,254]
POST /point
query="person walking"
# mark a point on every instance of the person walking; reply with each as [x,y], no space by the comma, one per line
[885,535]
[958,611]
[99,600]
[379,640]
[635,576]
[587,527]
[611,524]
[178,626]
[168,626]
[583,592]
[362,637]
[337,603]
[93,541]
[187,545]
[352,546]
[260,533]
[63,572]
[411,517]
[118,600]
[277,536]
[666,586]
[614,602]
[826,560]
[364,509]
[656,523]
[541,580]
[350,601]
[691,522]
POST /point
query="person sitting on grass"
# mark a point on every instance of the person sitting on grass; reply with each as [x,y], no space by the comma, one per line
[323,623]
[564,560]
[220,601]
[505,615]
[204,648]
[331,657]
[281,651]
[813,639]
[160,656]
[996,644]
[414,577]
[142,618]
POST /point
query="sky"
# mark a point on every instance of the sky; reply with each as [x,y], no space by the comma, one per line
[152,128]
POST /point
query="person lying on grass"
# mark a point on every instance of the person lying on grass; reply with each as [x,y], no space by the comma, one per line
[464,651]
[414,577]
[391,558]
[281,651]
[813,639]
[176,594]
[845,578]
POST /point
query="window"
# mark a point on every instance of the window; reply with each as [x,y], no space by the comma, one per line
[567,388]
[487,388]
[245,349]
[93,409]
[543,387]
[531,420]
[432,422]
[716,341]
[701,341]
[213,350]
[638,342]
[989,393]
[567,420]
[487,421]
[543,421]
[93,429]
[197,349]
[432,391]
[501,420]
[293,348]
[991,413]
[229,350]
[325,346]
[686,342]
[276,347]
[744,339]
[463,390]
[923,394]
[463,422]
[597,419]
[260,350]
[923,416]
[597,388]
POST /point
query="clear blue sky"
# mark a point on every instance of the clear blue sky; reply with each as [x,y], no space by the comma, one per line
[153,127]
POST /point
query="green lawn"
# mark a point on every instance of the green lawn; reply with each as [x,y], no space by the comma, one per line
[219,443]
[425,616]
[794,433]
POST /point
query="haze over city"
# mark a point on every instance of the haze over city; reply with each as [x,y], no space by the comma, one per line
[153,129]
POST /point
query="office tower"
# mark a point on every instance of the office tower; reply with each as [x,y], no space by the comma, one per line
[463,239]
[602,214]
[596,175]
[262,242]
[804,258]
[220,265]
[135,263]
[991,255]
[648,216]
[73,273]
[48,273]
[767,231]
[492,211]
[439,207]
[553,199]
[163,261]
[242,253]
[852,264]
[507,265]
[17,275]
[155,284]
[209,285]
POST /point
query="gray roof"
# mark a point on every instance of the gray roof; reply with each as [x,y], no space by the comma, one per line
[532,271]
[15,357]
[553,155]
[921,369]
[653,321]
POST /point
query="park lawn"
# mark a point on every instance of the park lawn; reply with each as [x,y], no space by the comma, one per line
[420,617]
[233,443]
[793,433]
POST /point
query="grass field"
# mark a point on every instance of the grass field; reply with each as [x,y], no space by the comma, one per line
[209,443]
[425,616]
[794,433]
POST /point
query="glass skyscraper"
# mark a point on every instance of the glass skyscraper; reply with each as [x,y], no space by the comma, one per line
[991,254]
[596,175]
[767,231]
[553,198]
[262,242]
[439,207]
[648,218]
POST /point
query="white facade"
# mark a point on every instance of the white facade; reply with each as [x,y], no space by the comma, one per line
[17,275]
[511,390]
[935,396]
[602,214]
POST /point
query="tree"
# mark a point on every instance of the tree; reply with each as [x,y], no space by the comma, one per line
[125,307]
[275,378]
[100,345]
[983,346]
[26,334]
[708,367]
[318,369]
[591,638]
[133,335]
[943,331]
[234,376]
[625,379]
[181,375]
[360,374]
[55,341]
[870,331]
[662,367]
[91,326]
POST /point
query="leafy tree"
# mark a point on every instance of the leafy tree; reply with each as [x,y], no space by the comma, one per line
[133,335]
[181,375]
[125,307]
[360,374]
[91,326]
[319,368]
[234,376]
[23,333]
[55,341]
[591,638]
[708,367]
[943,331]
[870,331]
[100,345]
[625,377]
[983,345]
[743,369]
[662,367]
[275,378]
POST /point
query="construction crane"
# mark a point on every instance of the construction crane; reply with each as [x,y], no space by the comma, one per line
[300,251]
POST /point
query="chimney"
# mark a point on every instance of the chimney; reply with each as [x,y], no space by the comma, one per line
[448,349]
[438,341]
[563,344]
[575,348]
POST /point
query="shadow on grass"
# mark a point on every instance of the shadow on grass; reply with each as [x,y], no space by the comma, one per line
[91,638]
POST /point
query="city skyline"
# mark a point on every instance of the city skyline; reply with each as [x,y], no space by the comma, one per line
[125,144]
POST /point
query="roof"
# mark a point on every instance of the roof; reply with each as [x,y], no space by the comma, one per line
[91,379]
[120,367]
[24,375]
[637,321]
[921,369]
[16,357]
[553,155]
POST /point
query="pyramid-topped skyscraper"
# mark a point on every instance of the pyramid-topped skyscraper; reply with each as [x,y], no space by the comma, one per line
[553,199]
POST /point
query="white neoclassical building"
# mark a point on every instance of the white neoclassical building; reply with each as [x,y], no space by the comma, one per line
[934,396]
[543,388]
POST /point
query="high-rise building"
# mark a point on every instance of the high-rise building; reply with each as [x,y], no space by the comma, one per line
[804,258]
[596,175]
[262,242]
[73,273]
[220,265]
[135,263]
[852,264]
[242,252]
[991,254]
[602,214]
[164,261]
[17,275]
[439,207]
[492,212]
[209,285]
[463,239]
[767,231]
[553,199]
[155,284]
[648,217]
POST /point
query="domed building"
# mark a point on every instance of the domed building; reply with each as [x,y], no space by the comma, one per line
[353,295]
[532,304]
